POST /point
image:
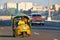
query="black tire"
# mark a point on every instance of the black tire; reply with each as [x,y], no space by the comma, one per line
[22,34]
[32,23]
[43,24]
[39,24]
[14,33]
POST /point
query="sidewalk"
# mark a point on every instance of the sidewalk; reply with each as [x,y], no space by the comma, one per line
[53,20]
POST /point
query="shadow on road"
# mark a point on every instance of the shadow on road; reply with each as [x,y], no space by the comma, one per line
[6,36]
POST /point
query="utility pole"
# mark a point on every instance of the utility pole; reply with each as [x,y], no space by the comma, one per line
[25,5]
[35,2]
[17,9]
[49,17]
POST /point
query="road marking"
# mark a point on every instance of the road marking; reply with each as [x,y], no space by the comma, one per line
[55,39]
[36,33]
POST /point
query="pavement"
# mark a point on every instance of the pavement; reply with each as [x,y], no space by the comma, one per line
[6,34]
[53,20]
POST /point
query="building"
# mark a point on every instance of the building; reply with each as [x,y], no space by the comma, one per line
[10,5]
[24,6]
[1,7]
[56,7]
[37,8]
[45,8]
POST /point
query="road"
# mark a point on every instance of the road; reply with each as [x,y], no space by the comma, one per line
[6,34]
[50,31]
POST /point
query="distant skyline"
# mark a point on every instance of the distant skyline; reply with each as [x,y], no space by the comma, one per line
[38,2]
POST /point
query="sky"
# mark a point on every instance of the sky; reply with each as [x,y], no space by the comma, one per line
[38,2]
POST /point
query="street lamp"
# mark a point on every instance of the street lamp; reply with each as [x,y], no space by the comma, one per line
[49,17]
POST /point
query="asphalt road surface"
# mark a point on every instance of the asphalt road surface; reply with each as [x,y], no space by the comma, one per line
[6,34]
[50,31]
[36,34]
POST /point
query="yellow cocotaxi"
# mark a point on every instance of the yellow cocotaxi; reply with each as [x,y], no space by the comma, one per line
[20,25]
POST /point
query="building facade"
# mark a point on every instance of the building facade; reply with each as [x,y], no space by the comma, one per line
[1,7]
[24,6]
[10,5]
[37,8]
[56,7]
